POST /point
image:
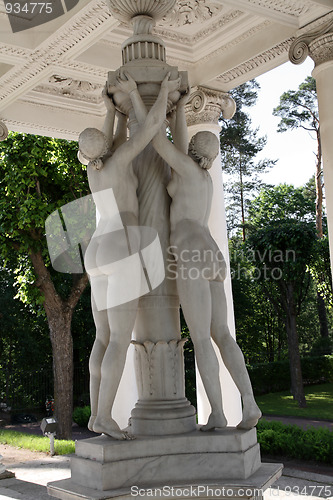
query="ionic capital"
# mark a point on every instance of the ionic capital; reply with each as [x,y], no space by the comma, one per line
[3,131]
[318,45]
[206,105]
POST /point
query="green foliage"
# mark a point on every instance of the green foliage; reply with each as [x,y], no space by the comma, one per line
[320,270]
[260,332]
[276,438]
[37,176]
[81,415]
[299,108]
[275,376]
[35,443]
[281,203]
[240,145]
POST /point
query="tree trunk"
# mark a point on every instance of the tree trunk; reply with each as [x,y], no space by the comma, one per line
[293,350]
[59,314]
[62,347]
[322,316]
[242,196]
[319,189]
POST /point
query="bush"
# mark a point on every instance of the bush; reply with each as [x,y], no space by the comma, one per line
[276,438]
[275,376]
[81,415]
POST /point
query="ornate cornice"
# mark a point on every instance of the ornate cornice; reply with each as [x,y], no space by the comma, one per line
[255,62]
[290,7]
[317,44]
[206,105]
[190,40]
[242,38]
[57,48]
[41,129]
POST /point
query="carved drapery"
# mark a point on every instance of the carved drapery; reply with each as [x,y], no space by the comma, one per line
[206,105]
[317,44]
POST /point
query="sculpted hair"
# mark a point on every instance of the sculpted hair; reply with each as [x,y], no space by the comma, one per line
[204,148]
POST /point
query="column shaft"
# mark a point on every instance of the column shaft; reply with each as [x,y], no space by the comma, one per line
[324,80]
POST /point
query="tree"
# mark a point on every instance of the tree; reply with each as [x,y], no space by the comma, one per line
[37,176]
[283,243]
[260,331]
[240,145]
[299,109]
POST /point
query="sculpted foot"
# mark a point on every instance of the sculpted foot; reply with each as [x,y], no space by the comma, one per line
[91,422]
[216,420]
[110,428]
[251,415]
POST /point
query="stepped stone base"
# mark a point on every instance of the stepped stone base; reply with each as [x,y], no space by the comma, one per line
[249,489]
[109,468]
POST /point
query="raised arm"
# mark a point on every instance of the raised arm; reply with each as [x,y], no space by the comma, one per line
[180,135]
[109,118]
[153,122]
[128,85]
[120,135]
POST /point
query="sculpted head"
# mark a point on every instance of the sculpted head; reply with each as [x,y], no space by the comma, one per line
[204,148]
[93,146]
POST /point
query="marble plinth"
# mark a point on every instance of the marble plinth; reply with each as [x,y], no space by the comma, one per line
[246,489]
[106,464]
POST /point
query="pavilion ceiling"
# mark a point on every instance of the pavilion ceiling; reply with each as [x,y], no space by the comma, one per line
[51,76]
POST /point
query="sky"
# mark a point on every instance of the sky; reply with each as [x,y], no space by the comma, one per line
[294,150]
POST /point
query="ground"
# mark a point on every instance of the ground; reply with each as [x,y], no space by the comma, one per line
[12,455]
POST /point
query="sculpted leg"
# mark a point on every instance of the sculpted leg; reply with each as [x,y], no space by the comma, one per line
[121,323]
[96,358]
[232,356]
[196,304]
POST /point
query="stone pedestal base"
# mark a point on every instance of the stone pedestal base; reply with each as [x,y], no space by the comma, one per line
[106,468]
[246,489]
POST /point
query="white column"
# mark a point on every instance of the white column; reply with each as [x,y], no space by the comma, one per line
[319,46]
[324,79]
[202,113]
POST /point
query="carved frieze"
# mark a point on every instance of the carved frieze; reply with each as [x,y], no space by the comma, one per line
[189,12]
[206,105]
[317,44]
[75,89]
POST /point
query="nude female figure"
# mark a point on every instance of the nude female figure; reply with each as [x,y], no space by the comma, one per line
[203,297]
[114,325]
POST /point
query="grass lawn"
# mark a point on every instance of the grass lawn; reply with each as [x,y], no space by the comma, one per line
[319,399]
[35,443]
